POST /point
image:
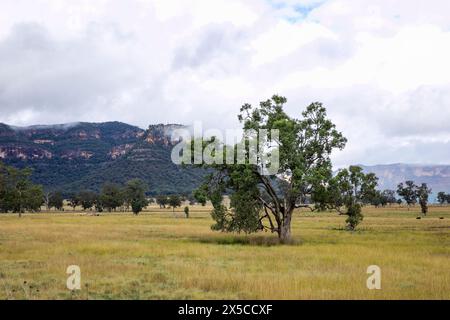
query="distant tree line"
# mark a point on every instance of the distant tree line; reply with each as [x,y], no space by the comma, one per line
[443,197]
[384,198]
[18,195]
[111,197]
[174,201]
[346,192]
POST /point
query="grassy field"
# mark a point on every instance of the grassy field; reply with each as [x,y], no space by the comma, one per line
[159,256]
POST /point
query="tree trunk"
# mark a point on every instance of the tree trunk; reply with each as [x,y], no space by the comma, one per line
[284,233]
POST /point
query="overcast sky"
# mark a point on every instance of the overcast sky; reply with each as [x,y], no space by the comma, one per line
[382,68]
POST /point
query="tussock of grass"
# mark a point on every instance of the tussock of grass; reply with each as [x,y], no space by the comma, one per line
[157,256]
[249,240]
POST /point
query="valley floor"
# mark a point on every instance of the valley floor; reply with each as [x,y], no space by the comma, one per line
[159,256]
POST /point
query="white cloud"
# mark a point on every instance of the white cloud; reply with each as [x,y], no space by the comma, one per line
[284,38]
[381,67]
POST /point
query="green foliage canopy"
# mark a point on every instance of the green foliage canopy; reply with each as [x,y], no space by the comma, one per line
[17,193]
[266,202]
[351,188]
[134,193]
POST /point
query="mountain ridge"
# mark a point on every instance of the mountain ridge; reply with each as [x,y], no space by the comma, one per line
[436,176]
[84,155]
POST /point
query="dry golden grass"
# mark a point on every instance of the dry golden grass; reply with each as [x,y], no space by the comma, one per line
[158,256]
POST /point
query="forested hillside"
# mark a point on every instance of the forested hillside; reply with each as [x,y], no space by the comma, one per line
[73,157]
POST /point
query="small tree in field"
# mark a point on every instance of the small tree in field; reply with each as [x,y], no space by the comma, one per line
[383,198]
[87,199]
[135,193]
[74,201]
[389,195]
[33,198]
[379,199]
[56,200]
[174,201]
[408,192]
[201,194]
[186,212]
[422,194]
[111,197]
[17,193]
[162,201]
[262,199]
[46,199]
[350,188]
[98,203]
[442,197]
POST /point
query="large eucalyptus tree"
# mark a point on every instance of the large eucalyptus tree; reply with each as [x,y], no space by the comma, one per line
[263,194]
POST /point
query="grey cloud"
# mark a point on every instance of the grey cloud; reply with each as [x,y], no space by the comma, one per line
[382,127]
[386,152]
[423,112]
[46,75]
[326,52]
[213,42]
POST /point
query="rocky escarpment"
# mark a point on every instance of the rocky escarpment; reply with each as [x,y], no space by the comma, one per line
[79,156]
[78,141]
